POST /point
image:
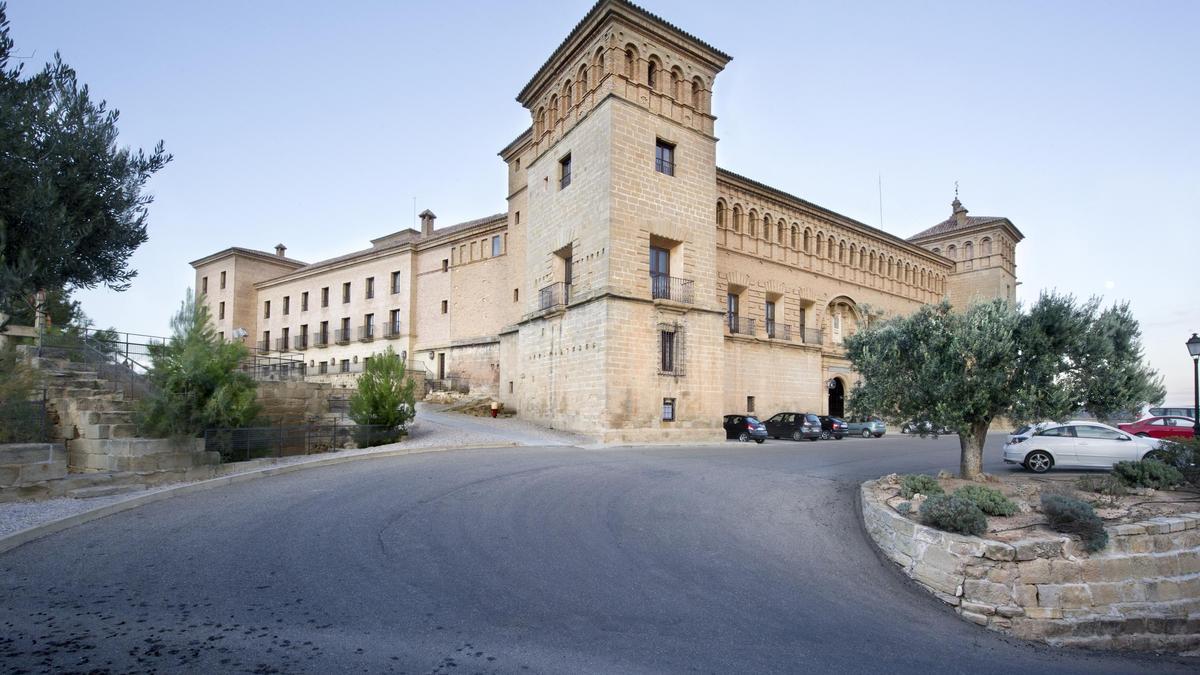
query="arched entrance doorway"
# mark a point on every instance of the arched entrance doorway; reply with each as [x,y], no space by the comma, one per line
[837,397]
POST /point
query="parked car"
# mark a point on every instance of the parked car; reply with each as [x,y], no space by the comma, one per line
[745,428]
[833,427]
[1160,427]
[1089,445]
[866,427]
[794,425]
[924,427]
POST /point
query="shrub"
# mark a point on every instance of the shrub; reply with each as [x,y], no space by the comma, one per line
[990,501]
[1184,455]
[384,402]
[953,514]
[1107,484]
[919,483]
[1148,473]
[1072,516]
[195,380]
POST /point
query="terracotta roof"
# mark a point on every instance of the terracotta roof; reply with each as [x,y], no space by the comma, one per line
[596,8]
[951,224]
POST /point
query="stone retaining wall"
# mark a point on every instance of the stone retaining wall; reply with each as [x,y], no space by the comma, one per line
[1141,592]
[28,463]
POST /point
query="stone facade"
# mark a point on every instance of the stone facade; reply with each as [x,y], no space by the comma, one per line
[1141,592]
[634,290]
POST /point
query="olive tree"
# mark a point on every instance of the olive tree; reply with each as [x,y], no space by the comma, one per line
[965,369]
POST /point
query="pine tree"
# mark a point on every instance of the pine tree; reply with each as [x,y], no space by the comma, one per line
[385,399]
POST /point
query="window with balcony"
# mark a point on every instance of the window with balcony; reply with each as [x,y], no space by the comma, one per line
[368,328]
[345,366]
[265,345]
[393,327]
[564,172]
[664,157]
[769,318]
[323,368]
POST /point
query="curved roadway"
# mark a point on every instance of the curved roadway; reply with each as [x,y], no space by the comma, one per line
[724,559]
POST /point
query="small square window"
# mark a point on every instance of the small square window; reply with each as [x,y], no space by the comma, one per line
[664,157]
[445,306]
[668,410]
[564,172]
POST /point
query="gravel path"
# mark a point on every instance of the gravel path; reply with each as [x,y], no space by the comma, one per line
[433,428]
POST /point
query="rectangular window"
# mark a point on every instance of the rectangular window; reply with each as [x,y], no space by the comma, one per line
[267,309]
[283,339]
[769,316]
[510,386]
[445,264]
[393,327]
[564,172]
[323,336]
[221,336]
[668,410]
[204,285]
[302,338]
[369,325]
[495,246]
[395,282]
[266,341]
[664,157]
[667,351]
[304,301]
[221,311]
[518,218]
[749,404]
[445,306]
[287,305]
[516,294]
[346,292]
[222,280]
[370,288]
[731,308]
[323,367]
[345,365]
[325,297]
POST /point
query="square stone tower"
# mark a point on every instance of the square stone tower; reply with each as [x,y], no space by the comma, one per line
[984,252]
[621,335]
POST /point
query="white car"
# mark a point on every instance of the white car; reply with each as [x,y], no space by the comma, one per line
[1087,445]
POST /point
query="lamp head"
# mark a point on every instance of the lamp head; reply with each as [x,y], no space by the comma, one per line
[1193,345]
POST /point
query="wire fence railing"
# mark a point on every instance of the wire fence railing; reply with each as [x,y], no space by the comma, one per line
[25,421]
[239,445]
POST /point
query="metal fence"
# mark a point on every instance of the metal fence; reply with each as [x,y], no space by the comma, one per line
[239,445]
[663,287]
[24,421]
[121,360]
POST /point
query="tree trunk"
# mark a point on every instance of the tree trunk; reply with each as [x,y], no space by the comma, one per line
[971,443]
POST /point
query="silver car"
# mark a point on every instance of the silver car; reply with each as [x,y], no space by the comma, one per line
[1088,445]
[866,427]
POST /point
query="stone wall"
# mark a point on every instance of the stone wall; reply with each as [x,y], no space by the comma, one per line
[1141,592]
[28,463]
[295,402]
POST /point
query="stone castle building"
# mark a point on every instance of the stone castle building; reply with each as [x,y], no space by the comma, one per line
[633,290]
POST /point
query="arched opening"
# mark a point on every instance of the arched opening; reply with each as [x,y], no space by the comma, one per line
[541,121]
[807,240]
[752,221]
[652,69]
[767,226]
[780,228]
[631,62]
[697,89]
[737,218]
[794,230]
[837,397]
[568,95]
[720,213]
[677,84]
[553,111]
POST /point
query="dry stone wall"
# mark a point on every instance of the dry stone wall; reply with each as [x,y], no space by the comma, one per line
[1141,592]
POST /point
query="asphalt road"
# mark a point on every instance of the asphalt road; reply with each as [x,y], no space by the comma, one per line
[735,558]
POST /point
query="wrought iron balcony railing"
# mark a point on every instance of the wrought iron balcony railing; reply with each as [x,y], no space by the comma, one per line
[391,331]
[300,342]
[342,336]
[663,287]
[366,333]
[809,336]
[778,331]
[281,344]
[554,296]
[739,325]
[320,339]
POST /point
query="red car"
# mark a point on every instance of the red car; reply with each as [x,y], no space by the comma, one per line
[1160,427]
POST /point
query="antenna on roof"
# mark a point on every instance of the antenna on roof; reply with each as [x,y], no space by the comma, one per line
[956,189]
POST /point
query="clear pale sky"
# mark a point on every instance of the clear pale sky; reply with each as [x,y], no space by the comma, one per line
[316,124]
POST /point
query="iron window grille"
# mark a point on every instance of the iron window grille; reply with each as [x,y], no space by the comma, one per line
[664,158]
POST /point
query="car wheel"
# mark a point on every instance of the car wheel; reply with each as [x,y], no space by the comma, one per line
[824,435]
[797,436]
[1143,435]
[878,435]
[838,437]
[743,437]
[1156,455]
[866,433]
[1039,461]
[759,440]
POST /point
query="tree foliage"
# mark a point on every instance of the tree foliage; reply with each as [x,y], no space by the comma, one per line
[196,384]
[385,397]
[72,205]
[964,369]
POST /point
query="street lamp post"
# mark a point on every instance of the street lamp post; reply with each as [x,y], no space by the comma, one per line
[1193,345]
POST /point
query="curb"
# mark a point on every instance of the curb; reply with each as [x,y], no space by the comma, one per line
[36,532]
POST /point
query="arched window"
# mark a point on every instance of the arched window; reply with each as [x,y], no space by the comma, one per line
[541,122]
[737,218]
[567,98]
[598,64]
[985,246]
[807,240]
[937,250]
[752,221]
[853,255]
[952,252]
[677,84]
[720,213]
[922,278]
[780,227]
[968,251]
[553,111]
[795,231]
[820,244]
[872,267]
[767,226]
[631,62]
[842,252]
[652,69]
[891,267]
[583,81]
[697,93]
[829,253]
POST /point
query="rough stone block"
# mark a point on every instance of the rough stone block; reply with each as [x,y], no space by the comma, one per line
[1010,611]
[9,475]
[1043,613]
[978,608]
[987,592]
[1002,574]
[995,550]
[936,578]
[974,618]
[1036,571]
[1064,596]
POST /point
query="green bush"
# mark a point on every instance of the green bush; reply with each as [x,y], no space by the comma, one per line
[953,514]
[1107,484]
[1072,516]
[1184,455]
[384,402]
[1148,473]
[992,502]
[195,381]
[919,483]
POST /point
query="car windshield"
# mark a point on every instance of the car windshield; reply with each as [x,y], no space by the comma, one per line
[753,420]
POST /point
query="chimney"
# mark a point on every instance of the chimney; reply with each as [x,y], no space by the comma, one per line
[427,219]
[960,212]
[280,249]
